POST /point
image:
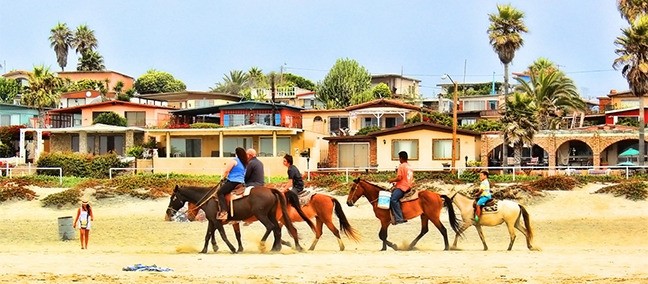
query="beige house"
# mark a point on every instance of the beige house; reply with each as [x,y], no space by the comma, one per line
[188,99]
[402,87]
[428,145]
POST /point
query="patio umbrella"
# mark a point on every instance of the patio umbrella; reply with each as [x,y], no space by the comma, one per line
[626,164]
[629,152]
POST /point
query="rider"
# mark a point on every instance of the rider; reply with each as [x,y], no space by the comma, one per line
[235,173]
[295,181]
[484,193]
[404,179]
[254,170]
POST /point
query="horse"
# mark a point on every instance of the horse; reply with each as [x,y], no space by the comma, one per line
[508,211]
[428,206]
[262,204]
[321,207]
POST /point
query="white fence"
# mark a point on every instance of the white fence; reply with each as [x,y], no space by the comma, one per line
[9,171]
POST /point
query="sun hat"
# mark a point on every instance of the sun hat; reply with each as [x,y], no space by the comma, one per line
[84,201]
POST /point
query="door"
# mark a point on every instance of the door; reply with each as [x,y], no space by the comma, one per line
[353,155]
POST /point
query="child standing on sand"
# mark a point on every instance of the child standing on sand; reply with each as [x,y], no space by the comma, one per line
[84,220]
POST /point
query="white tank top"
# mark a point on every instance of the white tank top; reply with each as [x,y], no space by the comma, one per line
[84,220]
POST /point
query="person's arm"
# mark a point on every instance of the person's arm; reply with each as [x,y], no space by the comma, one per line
[91,215]
[290,178]
[76,219]
[398,177]
[228,168]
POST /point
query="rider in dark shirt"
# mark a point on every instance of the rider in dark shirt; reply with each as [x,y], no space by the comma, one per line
[254,171]
[295,181]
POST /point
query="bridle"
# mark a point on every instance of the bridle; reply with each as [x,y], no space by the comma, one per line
[355,187]
[210,193]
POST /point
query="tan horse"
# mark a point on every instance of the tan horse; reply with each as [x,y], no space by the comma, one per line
[508,212]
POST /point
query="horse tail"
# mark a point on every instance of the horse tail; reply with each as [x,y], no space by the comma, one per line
[454,222]
[284,211]
[293,200]
[346,228]
[527,222]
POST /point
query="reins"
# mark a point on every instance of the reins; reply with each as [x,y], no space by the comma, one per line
[210,193]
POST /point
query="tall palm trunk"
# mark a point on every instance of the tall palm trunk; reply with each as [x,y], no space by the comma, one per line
[517,153]
[505,141]
[642,148]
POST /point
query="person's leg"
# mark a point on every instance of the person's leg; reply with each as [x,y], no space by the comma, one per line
[87,237]
[82,237]
[480,202]
[397,194]
[224,190]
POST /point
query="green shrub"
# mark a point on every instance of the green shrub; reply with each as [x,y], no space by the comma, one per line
[79,165]
[110,118]
[100,165]
[554,183]
[7,150]
[634,190]
[205,125]
[11,190]
[135,151]
[470,175]
[59,199]
[367,130]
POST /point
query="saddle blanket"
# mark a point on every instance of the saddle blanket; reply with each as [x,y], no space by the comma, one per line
[490,206]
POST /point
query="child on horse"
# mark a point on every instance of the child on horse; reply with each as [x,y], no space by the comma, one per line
[484,194]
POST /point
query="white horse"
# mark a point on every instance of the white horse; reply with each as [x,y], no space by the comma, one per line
[507,211]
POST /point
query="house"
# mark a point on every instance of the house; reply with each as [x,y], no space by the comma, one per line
[106,76]
[187,99]
[627,114]
[429,147]
[242,113]
[293,96]
[11,114]
[140,115]
[620,100]
[77,98]
[402,87]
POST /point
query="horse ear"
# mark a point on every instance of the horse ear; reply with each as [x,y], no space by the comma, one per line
[357,180]
[176,188]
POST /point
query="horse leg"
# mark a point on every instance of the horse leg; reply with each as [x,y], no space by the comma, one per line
[237,233]
[208,235]
[270,227]
[213,242]
[221,231]
[511,230]
[329,224]
[424,230]
[463,228]
[318,232]
[481,236]
[383,236]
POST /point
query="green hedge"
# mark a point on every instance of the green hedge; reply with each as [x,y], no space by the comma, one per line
[79,165]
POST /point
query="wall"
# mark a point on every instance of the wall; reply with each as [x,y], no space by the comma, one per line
[152,114]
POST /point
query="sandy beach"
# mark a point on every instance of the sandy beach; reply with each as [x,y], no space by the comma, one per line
[584,237]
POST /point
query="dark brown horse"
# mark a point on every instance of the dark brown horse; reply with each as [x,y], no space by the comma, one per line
[262,204]
[428,206]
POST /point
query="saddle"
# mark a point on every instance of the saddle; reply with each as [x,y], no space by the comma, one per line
[412,194]
[490,206]
[239,192]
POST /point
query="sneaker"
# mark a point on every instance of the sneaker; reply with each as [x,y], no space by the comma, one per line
[400,222]
[476,218]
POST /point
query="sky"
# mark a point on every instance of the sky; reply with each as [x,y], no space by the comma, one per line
[198,42]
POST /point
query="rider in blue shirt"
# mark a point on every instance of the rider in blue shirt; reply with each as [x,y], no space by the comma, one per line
[235,175]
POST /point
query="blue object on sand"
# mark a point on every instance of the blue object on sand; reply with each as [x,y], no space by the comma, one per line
[141,267]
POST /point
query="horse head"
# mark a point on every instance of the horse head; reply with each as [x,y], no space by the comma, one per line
[176,201]
[355,192]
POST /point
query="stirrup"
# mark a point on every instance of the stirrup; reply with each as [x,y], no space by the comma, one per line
[222,215]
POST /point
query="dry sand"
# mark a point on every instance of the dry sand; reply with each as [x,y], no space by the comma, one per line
[584,237]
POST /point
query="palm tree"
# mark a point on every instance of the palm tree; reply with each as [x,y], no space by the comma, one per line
[504,35]
[553,93]
[631,9]
[84,40]
[91,61]
[43,91]
[632,49]
[60,40]
[232,83]
[520,123]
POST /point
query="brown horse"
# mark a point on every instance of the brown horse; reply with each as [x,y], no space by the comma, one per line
[428,206]
[262,204]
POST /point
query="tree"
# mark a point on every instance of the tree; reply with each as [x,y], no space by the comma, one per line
[345,79]
[9,89]
[484,125]
[520,123]
[60,40]
[632,49]
[381,91]
[632,9]
[299,81]
[43,91]
[504,35]
[110,118]
[84,40]
[154,81]
[91,61]
[553,93]
[233,83]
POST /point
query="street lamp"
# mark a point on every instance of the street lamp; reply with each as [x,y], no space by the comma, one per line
[454,120]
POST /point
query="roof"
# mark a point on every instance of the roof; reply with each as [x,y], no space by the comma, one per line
[123,103]
[15,73]
[96,72]
[422,126]
[383,103]
[80,94]
[377,76]
[614,93]
[268,129]
[247,105]
[606,127]
[19,106]
[95,128]
[184,95]
[623,110]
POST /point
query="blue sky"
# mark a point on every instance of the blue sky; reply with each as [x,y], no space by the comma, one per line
[199,41]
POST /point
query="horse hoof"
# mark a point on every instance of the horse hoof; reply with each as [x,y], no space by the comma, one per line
[203,251]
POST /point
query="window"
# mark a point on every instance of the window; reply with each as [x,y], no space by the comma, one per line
[393,121]
[235,119]
[186,147]
[96,114]
[265,146]
[337,123]
[442,149]
[107,143]
[264,118]
[370,121]
[408,145]
[230,144]
[628,103]
[136,118]
[9,119]
[473,105]
[492,105]
[204,103]
[468,121]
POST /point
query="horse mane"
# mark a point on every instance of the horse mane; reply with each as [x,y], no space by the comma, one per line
[373,184]
[196,188]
